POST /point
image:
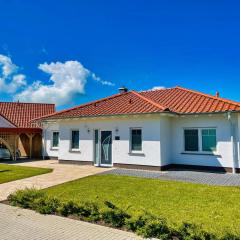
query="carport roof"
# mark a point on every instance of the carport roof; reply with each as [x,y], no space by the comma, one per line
[20,114]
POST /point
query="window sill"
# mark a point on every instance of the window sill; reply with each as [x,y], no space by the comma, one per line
[75,151]
[136,153]
[54,148]
[201,153]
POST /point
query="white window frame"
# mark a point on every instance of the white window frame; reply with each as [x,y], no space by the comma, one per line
[130,140]
[52,147]
[200,151]
[70,142]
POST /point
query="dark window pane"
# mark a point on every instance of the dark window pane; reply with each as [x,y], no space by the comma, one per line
[209,141]
[55,139]
[75,139]
[136,140]
[191,139]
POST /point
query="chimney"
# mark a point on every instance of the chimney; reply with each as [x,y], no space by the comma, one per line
[217,94]
[122,89]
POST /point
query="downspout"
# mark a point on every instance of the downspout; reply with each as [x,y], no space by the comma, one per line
[232,142]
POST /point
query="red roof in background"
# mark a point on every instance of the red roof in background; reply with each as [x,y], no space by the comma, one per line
[20,114]
[176,100]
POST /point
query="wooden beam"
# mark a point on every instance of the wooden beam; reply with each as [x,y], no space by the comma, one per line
[30,143]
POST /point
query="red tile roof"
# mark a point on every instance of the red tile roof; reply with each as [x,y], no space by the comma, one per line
[182,100]
[20,114]
[176,100]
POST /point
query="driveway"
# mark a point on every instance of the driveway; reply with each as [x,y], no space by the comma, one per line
[61,173]
[22,224]
[210,178]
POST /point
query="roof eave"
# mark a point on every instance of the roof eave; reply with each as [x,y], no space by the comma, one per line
[109,115]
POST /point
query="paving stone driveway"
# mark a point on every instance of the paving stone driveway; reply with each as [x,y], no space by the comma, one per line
[22,224]
[218,179]
[61,173]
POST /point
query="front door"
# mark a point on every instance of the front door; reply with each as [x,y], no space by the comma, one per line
[106,148]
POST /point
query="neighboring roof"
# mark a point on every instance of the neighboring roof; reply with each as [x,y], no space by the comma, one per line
[176,100]
[20,114]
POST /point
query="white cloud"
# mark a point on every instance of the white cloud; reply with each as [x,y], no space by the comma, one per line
[67,79]
[158,88]
[10,80]
[103,82]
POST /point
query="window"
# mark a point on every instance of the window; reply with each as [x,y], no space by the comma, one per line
[191,139]
[75,139]
[55,139]
[209,140]
[136,139]
[200,140]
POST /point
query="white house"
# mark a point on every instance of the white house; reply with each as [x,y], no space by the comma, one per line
[152,130]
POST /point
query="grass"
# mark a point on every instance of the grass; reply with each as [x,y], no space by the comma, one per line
[217,209]
[10,173]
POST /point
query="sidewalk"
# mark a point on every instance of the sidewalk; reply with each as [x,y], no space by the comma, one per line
[22,224]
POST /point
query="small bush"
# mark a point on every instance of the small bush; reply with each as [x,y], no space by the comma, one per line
[25,198]
[89,212]
[114,216]
[46,205]
[193,232]
[69,208]
[153,228]
[136,223]
[110,205]
[229,236]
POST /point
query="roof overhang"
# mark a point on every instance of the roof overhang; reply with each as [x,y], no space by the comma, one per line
[21,130]
[167,113]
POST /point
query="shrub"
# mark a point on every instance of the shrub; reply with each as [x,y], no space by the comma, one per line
[114,216]
[25,198]
[89,211]
[110,205]
[229,236]
[153,228]
[69,208]
[46,205]
[136,223]
[193,232]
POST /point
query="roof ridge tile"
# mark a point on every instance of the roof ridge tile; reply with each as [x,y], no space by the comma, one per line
[150,101]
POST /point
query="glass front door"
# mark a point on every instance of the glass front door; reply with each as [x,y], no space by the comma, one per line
[106,148]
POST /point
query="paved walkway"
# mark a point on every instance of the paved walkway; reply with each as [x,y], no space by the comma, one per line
[218,179]
[22,224]
[61,173]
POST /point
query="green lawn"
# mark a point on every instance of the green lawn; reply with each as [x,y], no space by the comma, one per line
[10,173]
[217,209]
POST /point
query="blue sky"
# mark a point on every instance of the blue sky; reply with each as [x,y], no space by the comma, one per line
[106,44]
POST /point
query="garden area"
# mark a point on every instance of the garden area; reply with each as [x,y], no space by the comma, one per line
[149,207]
[10,172]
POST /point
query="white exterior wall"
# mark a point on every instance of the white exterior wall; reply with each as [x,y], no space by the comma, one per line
[224,153]
[120,148]
[5,124]
[163,139]
[47,141]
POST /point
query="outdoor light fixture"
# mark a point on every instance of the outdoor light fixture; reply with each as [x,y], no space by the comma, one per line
[116,129]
